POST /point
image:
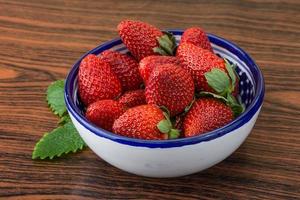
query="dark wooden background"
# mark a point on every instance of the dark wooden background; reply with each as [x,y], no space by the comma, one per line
[39,42]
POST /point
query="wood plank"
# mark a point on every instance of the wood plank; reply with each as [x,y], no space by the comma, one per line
[39,42]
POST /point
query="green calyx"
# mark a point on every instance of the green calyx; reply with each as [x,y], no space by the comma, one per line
[165,126]
[224,85]
[236,107]
[167,44]
[174,133]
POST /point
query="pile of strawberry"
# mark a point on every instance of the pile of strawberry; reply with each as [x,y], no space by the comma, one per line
[161,90]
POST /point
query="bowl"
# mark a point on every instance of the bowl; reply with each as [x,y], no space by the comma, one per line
[178,157]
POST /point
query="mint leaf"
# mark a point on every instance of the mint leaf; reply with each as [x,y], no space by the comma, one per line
[61,140]
[55,97]
[218,80]
[64,119]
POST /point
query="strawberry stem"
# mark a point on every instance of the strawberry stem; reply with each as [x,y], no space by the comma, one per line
[189,106]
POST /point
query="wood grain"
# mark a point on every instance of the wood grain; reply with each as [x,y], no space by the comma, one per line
[39,42]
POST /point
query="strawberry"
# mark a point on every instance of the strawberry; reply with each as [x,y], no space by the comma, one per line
[96,80]
[103,113]
[125,67]
[147,64]
[206,115]
[145,122]
[143,39]
[225,86]
[196,36]
[133,98]
[170,86]
[198,61]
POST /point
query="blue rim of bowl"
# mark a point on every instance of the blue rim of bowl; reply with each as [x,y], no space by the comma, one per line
[236,123]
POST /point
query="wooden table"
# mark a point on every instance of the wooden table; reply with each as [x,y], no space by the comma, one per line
[39,42]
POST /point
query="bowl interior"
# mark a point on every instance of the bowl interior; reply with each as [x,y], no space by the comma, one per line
[246,80]
[251,93]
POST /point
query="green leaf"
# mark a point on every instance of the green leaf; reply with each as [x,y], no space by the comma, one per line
[218,80]
[230,101]
[167,116]
[61,140]
[164,126]
[167,44]
[160,51]
[237,109]
[210,94]
[171,37]
[174,133]
[235,106]
[64,119]
[231,98]
[55,97]
[232,74]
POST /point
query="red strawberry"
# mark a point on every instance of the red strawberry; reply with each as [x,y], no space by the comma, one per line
[206,115]
[223,83]
[147,64]
[103,113]
[225,86]
[133,98]
[198,61]
[96,80]
[140,122]
[196,36]
[143,39]
[125,67]
[171,86]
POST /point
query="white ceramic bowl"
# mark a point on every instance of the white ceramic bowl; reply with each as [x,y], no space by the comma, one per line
[179,157]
